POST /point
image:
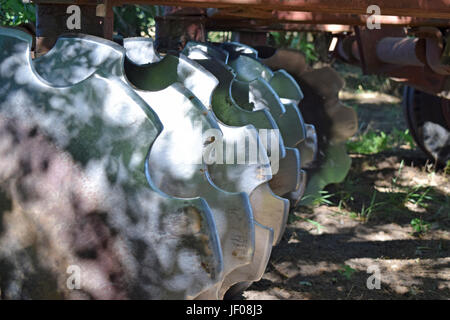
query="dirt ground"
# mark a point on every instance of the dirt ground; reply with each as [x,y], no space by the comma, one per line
[327,249]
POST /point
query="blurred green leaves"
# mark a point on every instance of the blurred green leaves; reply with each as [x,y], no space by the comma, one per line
[301,41]
[14,12]
[129,20]
[136,20]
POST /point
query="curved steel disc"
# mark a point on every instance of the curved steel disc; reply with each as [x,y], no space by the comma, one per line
[108,136]
[326,84]
[259,95]
[308,147]
[177,166]
[289,120]
[214,52]
[334,125]
[293,61]
[240,170]
[234,174]
[291,95]
[262,198]
[226,109]
[170,69]
[254,271]
[288,177]
[296,196]
[232,134]
[265,201]
[248,69]
[186,176]
[334,169]
[141,49]
[231,175]
[236,49]
[286,87]
[245,176]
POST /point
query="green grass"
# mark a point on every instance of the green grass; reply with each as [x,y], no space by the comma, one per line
[293,217]
[316,224]
[366,212]
[321,199]
[447,168]
[397,201]
[368,143]
[375,142]
[419,196]
[420,226]
[346,271]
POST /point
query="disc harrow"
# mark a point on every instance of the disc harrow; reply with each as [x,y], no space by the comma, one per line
[75,166]
[135,170]
[180,162]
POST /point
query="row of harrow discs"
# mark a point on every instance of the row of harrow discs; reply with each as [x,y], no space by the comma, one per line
[125,173]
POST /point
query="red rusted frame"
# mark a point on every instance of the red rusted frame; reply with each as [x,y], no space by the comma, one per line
[232,16]
[265,26]
[439,9]
[306,14]
[370,50]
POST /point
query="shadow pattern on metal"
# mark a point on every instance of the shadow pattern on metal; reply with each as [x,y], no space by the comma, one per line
[279,93]
[183,117]
[102,132]
[232,176]
[279,206]
[141,130]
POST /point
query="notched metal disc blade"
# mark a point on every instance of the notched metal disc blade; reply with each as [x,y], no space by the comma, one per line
[224,105]
[296,196]
[293,61]
[107,130]
[286,87]
[236,49]
[141,50]
[270,210]
[333,170]
[176,166]
[288,177]
[213,51]
[308,147]
[254,271]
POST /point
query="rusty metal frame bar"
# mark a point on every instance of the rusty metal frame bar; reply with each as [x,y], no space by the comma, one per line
[254,25]
[439,9]
[312,18]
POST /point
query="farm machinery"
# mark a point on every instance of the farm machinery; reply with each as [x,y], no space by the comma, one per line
[166,168]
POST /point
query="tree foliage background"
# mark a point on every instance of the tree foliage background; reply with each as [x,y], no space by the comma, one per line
[14,12]
[129,20]
[136,20]
[139,20]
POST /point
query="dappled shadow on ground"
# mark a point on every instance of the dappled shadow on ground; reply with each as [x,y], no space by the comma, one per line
[329,258]
[366,221]
[399,188]
[308,266]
